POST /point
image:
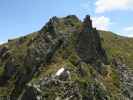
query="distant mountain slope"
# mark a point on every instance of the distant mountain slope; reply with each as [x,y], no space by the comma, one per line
[67,60]
[118,46]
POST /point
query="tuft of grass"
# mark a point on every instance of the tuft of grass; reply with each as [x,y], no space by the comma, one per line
[1,70]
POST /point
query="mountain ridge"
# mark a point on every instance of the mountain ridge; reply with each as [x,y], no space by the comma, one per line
[94,61]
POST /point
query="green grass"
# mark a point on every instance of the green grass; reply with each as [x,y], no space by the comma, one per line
[1,71]
[117,46]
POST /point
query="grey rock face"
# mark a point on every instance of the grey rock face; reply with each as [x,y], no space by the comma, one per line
[30,93]
[44,45]
[69,90]
[9,69]
[4,53]
[89,44]
[126,78]
[48,40]
[3,50]
[41,50]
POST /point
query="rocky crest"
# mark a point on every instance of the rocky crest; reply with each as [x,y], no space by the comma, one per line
[89,45]
[66,60]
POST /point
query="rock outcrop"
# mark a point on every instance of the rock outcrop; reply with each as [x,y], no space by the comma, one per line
[126,77]
[89,45]
[65,60]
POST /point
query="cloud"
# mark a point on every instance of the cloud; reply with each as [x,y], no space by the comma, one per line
[1,42]
[102,22]
[109,5]
[128,31]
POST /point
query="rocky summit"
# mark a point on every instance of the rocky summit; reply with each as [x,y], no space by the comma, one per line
[67,59]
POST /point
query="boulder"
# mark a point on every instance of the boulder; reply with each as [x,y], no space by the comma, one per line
[62,74]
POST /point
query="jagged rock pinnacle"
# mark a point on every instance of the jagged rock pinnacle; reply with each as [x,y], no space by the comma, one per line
[88,43]
[87,22]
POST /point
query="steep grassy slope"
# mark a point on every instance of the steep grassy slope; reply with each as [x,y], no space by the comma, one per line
[118,47]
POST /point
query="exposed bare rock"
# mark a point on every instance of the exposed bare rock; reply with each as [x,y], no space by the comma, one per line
[89,45]
[3,50]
